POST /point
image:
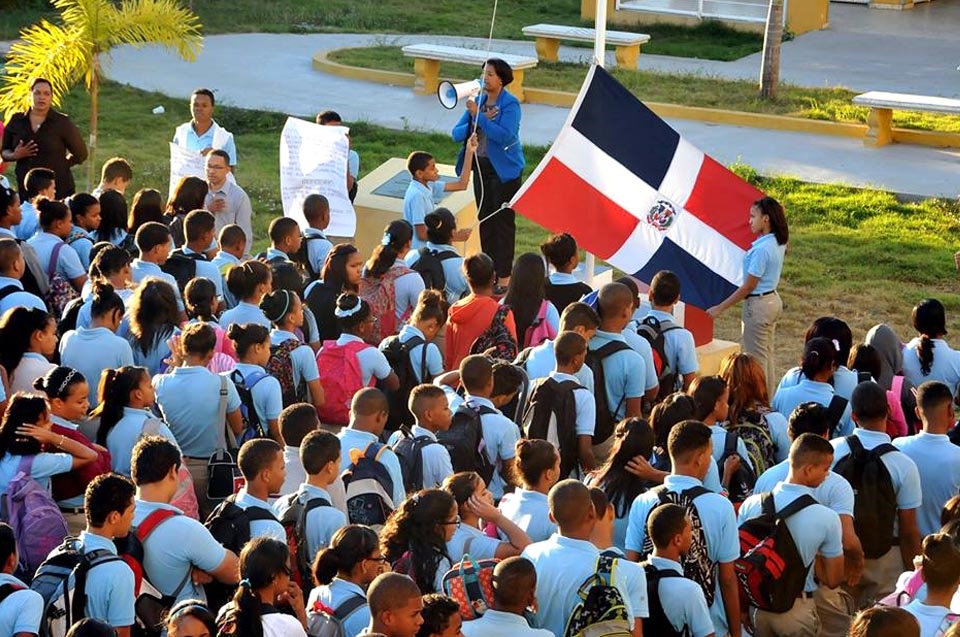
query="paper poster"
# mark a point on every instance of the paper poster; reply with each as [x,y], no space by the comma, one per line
[313,159]
[184,163]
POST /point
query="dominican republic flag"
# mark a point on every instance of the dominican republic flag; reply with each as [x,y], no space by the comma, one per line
[636,194]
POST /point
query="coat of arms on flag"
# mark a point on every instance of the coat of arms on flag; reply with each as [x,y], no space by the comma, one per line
[632,191]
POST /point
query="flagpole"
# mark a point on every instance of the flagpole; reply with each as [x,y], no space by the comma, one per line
[599,53]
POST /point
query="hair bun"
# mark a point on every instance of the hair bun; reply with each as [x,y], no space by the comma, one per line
[40,384]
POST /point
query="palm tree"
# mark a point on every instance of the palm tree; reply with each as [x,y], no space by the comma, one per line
[69,51]
[770,63]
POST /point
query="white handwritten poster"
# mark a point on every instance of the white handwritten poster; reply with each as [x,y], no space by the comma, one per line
[313,159]
[184,163]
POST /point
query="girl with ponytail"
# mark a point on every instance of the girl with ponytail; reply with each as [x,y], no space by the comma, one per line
[441,232]
[928,356]
[819,362]
[252,344]
[425,324]
[29,338]
[109,265]
[344,570]
[201,301]
[292,362]
[154,318]
[388,285]
[248,282]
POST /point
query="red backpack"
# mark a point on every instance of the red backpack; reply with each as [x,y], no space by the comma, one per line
[381,295]
[340,378]
[540,330]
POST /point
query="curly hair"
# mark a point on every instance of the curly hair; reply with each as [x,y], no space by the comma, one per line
[415,531]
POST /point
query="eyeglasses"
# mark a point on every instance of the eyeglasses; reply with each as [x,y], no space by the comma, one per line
[455,522]
[381,560]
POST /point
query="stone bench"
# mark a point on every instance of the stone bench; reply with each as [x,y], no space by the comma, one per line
[882,105]
[427,59]
[548,38]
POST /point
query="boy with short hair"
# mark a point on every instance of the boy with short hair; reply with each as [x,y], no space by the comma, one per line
[514,591]
[284,240]
[395,606]
[116,174]
[154,242]
[431,411]
[295,422]
[539,361]
[12,267]
[261,464]
[680,350]
[368,417]
[50,243]
[316,211]
[672,597]
[426,189]
[39,182]
[233,245]
[190,261]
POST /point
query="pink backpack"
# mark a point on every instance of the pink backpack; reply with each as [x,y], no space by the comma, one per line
[35,518]
[896,419]
[381,295]
[340,378]
[540,330]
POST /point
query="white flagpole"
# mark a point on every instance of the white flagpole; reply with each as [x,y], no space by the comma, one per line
[599,53]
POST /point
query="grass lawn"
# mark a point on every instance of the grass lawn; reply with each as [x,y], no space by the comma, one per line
[448,17]
[833,104]
[857,254]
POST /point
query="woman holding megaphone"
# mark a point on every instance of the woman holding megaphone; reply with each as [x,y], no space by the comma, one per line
[495,118]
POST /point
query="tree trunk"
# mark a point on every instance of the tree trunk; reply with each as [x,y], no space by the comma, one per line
[770,63]
[94,116]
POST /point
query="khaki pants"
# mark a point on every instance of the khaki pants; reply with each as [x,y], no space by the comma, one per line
[198,471]
[879,578]
[758,326]
[835,608]
[799,621]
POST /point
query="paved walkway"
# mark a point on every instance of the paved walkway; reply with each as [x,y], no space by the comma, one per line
[273,72]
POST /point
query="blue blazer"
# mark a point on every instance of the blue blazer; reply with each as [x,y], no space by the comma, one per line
[503,136]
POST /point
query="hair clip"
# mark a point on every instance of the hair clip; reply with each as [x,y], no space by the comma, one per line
[386,239]
[836,344]
[245,582]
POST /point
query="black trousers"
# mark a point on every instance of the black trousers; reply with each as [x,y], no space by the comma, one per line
[498,234]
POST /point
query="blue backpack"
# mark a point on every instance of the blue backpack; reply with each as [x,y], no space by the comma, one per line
[369,487]
[252,427]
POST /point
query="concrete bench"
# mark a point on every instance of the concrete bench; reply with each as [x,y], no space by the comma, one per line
[882,105]
[427,59]
[548,38]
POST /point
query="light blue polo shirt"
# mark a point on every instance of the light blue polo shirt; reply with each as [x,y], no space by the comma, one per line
[351,439]
[719,524]
[844,380]
[175,547]
[82,245]
[125,434]
[764,260]
[334,595]
[542,360]
[318,247]
[207,270]
[678,345]
[139,270]
[468,540]
[456,280]
[224,261]
[85,317]
[805,390]
[157,353]
[434,362]
[372,361]
[498,623]
[816,529]
[624,373]
[266,393]
[945,367]
[529,510]
[903,471]
[321,524]
[938,462]
[189,398]
[641,346]
[260,528]
[500,435]
[68,263]
[110,586]
[45,465]
[18,299]
[243,313]
[303,359]
[21,611]
[834,492]
[29,222]
[418,201]
[92,350]
[682,600]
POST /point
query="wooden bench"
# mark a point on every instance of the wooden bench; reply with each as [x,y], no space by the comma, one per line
[882,105]
[427,59]
[548,38]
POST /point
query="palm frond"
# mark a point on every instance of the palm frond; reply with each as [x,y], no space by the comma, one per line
[86,15]
[165,22]
[57,53]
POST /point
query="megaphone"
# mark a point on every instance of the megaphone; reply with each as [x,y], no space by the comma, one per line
[449,93]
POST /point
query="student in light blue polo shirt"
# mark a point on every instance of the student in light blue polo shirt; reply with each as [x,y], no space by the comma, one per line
[565,560]
[252,343]
[22,609]
[110,265]
[248,282]
[94,349]
[344,570]
[425,323]
[815,530]
[441,226]
[85,210]
[678,342]
[929,356]
[320,456]
[263,469]
[39,182]
[12,267]
[539,361]
[49,243]
[538,469]
[475,507]
[368,416]
[667,414]
[152,323]
[432,414]
[233,245]
[179,544]
[937,459]
[199,228]
[690,449]
[285,310]
[155,242]
[426,190]
[570,350]
[711,395]
[817,368]
[514,592]
[316,212]
[880,572]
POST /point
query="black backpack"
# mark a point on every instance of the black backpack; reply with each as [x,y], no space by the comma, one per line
[658,623]
[464,441]
[409,450]
[303,257]
[875,500]
[770,571]
[182,266]
[252,426]
[551,414]
[294,521]
[68,320]
[398,355]
[697,564]
[654,331]
[741,486]
[284,273]
[430,267]
[605,417]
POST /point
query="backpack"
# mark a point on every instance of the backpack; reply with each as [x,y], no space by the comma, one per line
[369,487]
[398,355]
[35,518]
[496,338]
[601,611]
[430,267]
[340,378]
[409,450]
[284,273]
[77,235]
[280,366]
[605,418]
[303,258]
[71,313]
[658,623]
[252,427]
[875,501]
[896,418]
[905,594]
[540,330]
[294,521]
[654,331]
[464,441]
[551,415]
[470,583]
[381,295]
[129,244]
[61,291]
[182,266]
[222,469]
[8,290]
[741,486]
[323,621]
[697,564]
[34,278]
[770,570]
[753,430]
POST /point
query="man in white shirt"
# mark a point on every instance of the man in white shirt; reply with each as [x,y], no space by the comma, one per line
[202,134]
[226,199]
[514,591]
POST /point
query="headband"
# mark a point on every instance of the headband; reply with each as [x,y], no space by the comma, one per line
[66,381]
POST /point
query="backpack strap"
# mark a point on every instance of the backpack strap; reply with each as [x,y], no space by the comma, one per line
[6,590]
[152,521]
[794,507]
[835,410]
[373,451]
[256,514]
[8,290]
[730,444]
[54,257]
[222,415]
[348,607]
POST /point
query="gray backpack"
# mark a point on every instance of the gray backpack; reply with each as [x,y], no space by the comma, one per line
[323,621]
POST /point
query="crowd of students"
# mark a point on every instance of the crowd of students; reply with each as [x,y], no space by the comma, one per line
[306,442]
